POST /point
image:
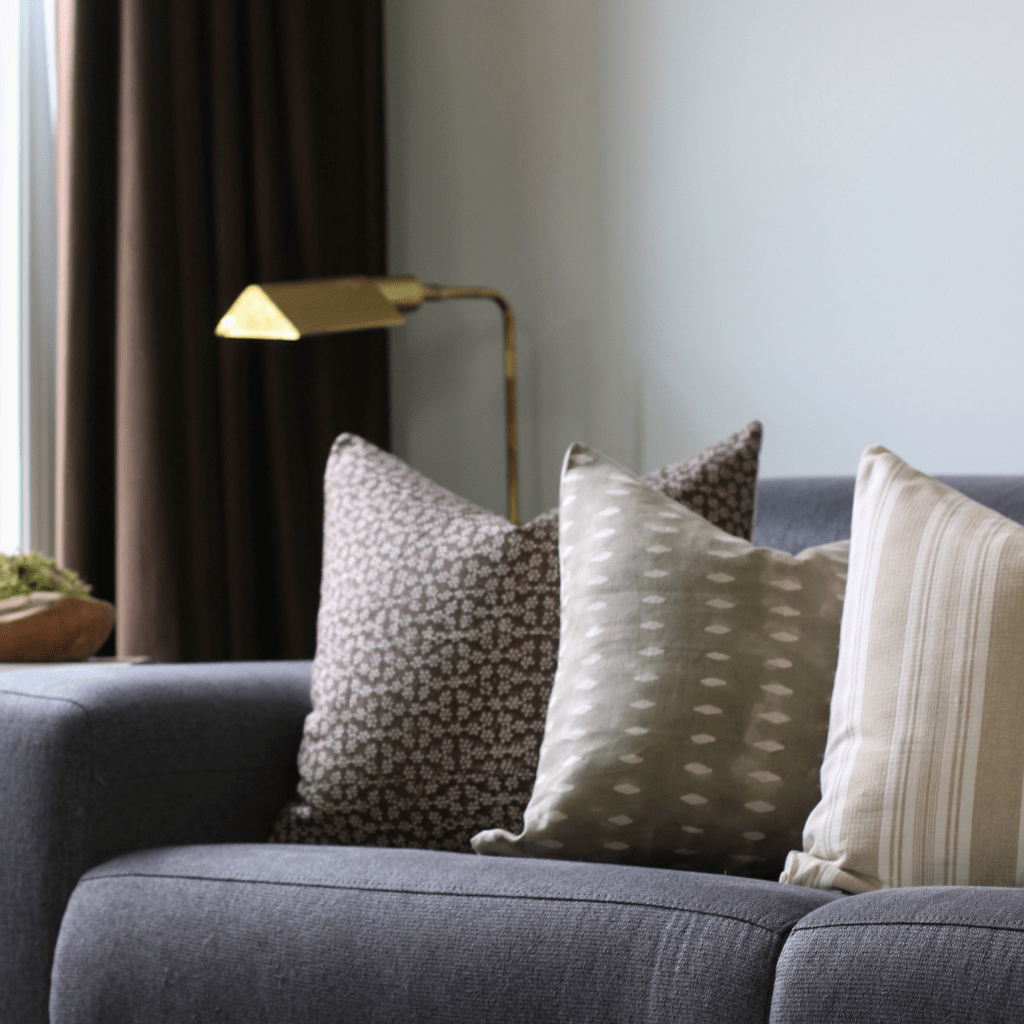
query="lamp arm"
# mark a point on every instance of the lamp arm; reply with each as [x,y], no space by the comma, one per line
[437,293]
[299,309]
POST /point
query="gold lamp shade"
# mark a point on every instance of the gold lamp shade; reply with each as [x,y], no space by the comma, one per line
[300,309]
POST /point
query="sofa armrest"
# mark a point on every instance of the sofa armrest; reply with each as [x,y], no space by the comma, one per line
[97,761]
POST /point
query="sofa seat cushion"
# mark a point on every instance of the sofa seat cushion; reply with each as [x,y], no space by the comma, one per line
[903,956]
[272,933]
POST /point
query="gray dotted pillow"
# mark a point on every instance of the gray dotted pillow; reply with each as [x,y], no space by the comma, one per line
[437,641]
[689,713]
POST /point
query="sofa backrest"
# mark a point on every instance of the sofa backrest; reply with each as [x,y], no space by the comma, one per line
[797,512]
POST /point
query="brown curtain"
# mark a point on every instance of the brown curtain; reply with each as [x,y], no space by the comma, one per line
[203,146]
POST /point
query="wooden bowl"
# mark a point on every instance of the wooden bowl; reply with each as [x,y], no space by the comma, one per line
[63,628]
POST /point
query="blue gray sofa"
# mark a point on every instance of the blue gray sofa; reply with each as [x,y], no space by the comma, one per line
[136,886]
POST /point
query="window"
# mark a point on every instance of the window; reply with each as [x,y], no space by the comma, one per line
[27,275]
[10,244]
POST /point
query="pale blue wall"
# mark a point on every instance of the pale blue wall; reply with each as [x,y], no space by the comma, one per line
[705,212]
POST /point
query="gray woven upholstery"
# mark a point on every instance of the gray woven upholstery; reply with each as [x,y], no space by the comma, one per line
[794,513]
[907,956]
[99,761]
[320,934]
[188,765]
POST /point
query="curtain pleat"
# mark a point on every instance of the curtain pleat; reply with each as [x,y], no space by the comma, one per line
[203,147]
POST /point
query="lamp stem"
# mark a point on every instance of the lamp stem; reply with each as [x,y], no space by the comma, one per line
[435,293]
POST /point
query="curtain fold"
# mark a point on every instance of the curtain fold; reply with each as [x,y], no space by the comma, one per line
[202,147]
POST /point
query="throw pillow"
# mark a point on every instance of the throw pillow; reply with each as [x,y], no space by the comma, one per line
[690,707]
[437,640]
[924,770]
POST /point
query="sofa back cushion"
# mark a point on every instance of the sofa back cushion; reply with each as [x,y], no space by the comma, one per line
[798,512]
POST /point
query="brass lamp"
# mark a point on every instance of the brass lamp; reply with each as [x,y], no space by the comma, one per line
[298,309]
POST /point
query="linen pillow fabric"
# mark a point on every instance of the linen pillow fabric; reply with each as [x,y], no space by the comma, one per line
[690,707]
[922,776]
[437,641]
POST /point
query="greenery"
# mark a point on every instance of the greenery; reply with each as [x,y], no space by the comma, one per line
[26,574]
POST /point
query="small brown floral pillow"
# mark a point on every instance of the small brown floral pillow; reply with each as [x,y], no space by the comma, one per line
[437,642]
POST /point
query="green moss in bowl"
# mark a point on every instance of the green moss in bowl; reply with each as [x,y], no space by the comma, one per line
[27,574]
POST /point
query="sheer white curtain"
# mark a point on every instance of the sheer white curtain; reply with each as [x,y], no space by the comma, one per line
[28,285]
[10,340]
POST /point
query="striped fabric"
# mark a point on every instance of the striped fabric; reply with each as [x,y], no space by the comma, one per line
[923,774]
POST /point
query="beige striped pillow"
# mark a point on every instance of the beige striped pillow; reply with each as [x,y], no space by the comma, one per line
[923,774]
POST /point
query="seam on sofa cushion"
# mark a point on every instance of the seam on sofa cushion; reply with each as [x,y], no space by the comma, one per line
[137,775]
[773,970]
[777,931]
[44,696]
[950,923]
[75,839]
[91,767]
[204,771]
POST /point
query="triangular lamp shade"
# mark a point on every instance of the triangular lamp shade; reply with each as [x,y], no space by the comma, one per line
[298,309]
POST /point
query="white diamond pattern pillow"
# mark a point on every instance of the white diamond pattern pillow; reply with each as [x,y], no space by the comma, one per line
[689,713]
